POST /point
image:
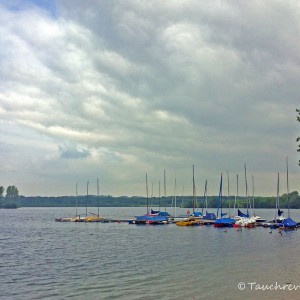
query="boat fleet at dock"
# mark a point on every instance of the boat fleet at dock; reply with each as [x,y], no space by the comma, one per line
[194,218]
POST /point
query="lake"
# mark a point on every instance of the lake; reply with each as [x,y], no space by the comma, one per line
[44,259]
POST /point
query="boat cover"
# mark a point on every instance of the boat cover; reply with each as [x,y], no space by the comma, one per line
[160,213]
[164,214]
[240,214]
[197,214]
[289,223]
[151,218]
[225,221]
[210,216]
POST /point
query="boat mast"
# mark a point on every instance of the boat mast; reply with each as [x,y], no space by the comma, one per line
[98,195]
[220,197]
[147,195]
[87,197]
[159,194]
[182,196]
[228,194]
[165,190]
[194,192]
[151,199]
[287,185]
[237,194]
[76,198]
[246,184]
[205,197]
[252,194]
[277,198]
[175,204]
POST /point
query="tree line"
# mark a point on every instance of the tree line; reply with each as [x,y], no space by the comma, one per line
[11,198]
[292,199]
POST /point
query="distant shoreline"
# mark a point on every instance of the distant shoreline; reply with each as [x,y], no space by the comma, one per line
[293,201]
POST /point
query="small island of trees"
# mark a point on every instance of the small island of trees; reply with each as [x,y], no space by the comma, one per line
[11,197]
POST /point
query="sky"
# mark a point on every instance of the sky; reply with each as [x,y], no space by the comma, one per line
[117,89]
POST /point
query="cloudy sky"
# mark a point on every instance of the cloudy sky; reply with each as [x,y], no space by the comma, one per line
[114,89]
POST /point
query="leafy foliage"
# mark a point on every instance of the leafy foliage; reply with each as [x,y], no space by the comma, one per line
[155,203]
[11,197]
[12,192]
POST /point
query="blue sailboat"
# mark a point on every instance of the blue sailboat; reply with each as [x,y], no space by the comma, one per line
[288,223]
[222,222]
[208,217]
[278,219]
[153,219]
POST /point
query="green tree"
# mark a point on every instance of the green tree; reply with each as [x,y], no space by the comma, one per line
[12,194]
[1,195]
[298,138]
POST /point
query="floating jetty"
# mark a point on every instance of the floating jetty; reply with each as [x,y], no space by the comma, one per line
[100,220]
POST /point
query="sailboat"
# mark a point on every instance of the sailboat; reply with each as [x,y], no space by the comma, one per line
[160,212]
[76,218]
[208,217]
[278,218]
[151,219]
[258,220]
[222,222]
[242,219]
[288,223]
[196,214]
[95,217]
[192,220]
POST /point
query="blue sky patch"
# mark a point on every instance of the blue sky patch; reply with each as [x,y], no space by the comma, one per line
[18,5]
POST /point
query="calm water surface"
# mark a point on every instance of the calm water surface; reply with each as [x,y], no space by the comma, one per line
[44,259]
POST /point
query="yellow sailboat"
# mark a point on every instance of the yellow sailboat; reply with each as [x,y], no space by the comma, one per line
[94,217]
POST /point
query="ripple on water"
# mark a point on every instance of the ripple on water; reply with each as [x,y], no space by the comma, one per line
[43,259]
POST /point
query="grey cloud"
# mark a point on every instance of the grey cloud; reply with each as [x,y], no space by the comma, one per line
[146,85]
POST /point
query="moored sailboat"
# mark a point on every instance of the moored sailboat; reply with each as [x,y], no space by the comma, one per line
[222,222]
[244,219]
[192,220]
[95,217]
[288,223]
[151,219]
